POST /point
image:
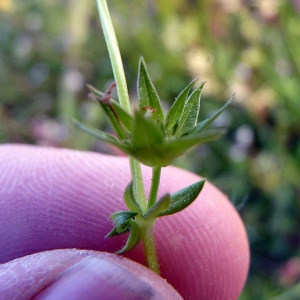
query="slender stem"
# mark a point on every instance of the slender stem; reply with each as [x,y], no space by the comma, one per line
[135,167]
[149,247]
[119,75]
[156,171]
[114,53]
[138,184]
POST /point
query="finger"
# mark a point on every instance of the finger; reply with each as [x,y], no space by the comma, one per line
[78,274]
[62,199]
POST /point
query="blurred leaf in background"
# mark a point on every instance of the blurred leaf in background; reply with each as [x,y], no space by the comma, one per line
[49,50]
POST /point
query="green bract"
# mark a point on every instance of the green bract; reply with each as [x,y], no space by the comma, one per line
[147,135]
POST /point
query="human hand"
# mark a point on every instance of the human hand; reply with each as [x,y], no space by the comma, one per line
[56,199]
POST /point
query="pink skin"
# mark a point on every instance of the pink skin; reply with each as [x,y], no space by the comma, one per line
[57,198]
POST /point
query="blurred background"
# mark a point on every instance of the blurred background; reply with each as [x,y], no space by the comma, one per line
[50,49]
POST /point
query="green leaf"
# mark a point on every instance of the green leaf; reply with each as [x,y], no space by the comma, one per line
[146,134]
[129,199]
[122,222]
[121,217]
[176,110]
[120,119]
[189,117]
[125,117]
[204,124]
[161,205]
[148,97]
[114,120]
[162,154]
[114,232]
[94,91]
[101,135]
[183,198]
[133,239]
[176,148]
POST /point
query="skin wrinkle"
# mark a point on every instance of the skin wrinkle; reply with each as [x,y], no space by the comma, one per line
[66,190]
[211,219]
[66,208]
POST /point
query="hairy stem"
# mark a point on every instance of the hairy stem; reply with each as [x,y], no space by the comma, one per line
[138,184]
[156,171]
[149,247]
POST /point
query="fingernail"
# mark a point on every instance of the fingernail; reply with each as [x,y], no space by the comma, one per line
[96,278]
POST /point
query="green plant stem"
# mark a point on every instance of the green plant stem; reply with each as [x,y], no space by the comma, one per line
[135,167]
[156,171]
[114,53]
[138,184]
[149,246]
[119,75]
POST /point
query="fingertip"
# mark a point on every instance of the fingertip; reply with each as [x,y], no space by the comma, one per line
[76,274]
[58,198]
[97,278]
[55,198]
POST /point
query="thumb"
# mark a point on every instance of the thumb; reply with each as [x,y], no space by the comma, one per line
[79,274]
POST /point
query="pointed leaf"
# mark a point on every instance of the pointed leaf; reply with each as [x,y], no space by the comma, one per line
[125,117]
[120,217]
[114,232]
[118,116]
[190,113]
[146,134]
[161,155]
[176,110]
[148,97]
[125,146]
[161,205]
[114,120]
[183,198]
[133,239]
[129,199]
[101,135]
[94,91]
[122,222]
[176,148]
[204,124]
[120,119]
